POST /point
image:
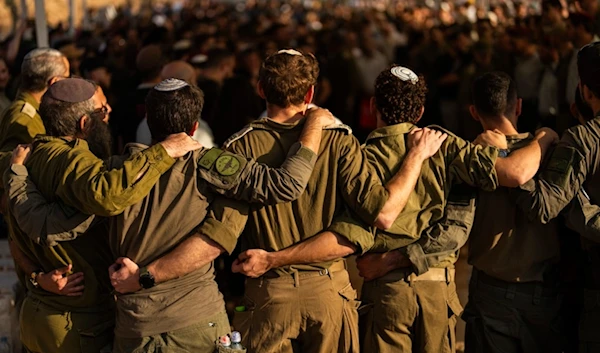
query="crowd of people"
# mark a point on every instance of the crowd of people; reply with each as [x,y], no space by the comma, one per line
[136,154]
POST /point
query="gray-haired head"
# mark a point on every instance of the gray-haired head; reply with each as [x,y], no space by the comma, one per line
[41,67]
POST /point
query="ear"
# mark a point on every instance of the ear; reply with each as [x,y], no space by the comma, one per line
[83,121]
[474,114]
[420,114]
[193,129]
[309,95]
[519,107]
[260,90]
[53,80]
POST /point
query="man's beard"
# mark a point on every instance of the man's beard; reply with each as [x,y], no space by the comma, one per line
[99,138]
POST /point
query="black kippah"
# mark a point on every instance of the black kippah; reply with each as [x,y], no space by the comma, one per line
[72,90]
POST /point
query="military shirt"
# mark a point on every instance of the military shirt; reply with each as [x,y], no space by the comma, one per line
[457,161]
[68,170]
[21,122]
[504,243]
[341,177]
[174,208]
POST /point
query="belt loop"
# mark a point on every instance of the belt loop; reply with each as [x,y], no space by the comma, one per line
[510,291]
[296,277]
[447,273]
[537,294]
[329,273]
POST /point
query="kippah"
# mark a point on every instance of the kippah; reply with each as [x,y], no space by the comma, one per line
[72,90]
[289,51]
[405,74]
[170,84]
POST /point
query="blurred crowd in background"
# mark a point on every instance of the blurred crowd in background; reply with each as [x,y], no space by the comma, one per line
[449,43]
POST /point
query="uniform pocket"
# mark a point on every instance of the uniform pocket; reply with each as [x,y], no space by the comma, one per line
[349,333]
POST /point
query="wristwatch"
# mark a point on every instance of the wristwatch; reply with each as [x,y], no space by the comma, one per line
[33,277]
[146,278]
[503,153]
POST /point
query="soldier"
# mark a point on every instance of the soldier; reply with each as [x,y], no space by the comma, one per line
[159,223]
[574,164]
[416,308]
[513,300]
[21,122]
[62,166]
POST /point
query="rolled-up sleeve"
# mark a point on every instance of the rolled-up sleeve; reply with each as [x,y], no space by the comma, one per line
[356,232]
[472,164]
[225,222]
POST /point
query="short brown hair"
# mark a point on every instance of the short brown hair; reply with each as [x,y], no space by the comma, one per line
[286,78]
[399,101]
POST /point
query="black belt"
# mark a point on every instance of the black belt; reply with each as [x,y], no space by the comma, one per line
[544,288]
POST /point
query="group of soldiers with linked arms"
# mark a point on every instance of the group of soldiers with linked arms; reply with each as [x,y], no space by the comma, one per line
[117,251]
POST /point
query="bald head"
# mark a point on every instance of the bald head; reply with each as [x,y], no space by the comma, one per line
[41,68]
[179,70]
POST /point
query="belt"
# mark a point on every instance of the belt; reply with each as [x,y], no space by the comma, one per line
[433,274]
[335,267]
[542,288]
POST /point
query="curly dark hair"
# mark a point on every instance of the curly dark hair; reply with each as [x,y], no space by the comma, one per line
[399,101]
[285,79]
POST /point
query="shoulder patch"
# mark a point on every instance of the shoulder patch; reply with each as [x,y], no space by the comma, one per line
[341,127]
[210,157]
[228,164]
[28,110]
[238,135]
[560,165]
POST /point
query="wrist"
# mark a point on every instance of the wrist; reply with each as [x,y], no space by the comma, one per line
[274,260]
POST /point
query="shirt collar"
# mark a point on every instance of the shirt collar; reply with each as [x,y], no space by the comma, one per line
[27,97]
[391,130]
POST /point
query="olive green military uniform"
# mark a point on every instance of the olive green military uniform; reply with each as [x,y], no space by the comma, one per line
[69,171]
[155,225]
[306,308]
[21,122]
[513,298]
[573,164]
[413,311]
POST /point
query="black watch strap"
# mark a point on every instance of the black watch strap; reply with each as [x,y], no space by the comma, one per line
[146,278]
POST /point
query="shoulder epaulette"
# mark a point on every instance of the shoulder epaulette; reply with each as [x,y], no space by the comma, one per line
[341,127]
[238,135]
[28,110]
[439,128]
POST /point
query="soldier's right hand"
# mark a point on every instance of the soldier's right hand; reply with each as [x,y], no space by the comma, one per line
[58,282]
[20,154]
[320,116]
[425,142]
[177,145]
[548,134]
[493,138]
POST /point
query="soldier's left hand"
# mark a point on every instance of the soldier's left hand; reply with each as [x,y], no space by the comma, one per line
[252,263]
[20,154]
[125,276]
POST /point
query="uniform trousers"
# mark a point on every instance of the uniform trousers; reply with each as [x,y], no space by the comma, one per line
[505,317]
[197,338]
[306,311]
[404,313]
[45,329]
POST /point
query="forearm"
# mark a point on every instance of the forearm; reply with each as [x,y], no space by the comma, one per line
[400,187]
[21,260]
[194,253]
[311,135]
[324,247]
[522,164]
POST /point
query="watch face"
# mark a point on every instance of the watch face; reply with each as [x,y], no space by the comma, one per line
[147,280]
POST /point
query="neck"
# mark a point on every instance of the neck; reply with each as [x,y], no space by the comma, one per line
[595,105]
[288,115]
[504,125]
[37,95]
